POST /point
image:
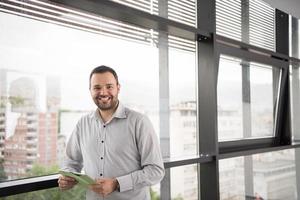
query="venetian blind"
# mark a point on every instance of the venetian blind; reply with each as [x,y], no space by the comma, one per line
[259,30]
[54,13]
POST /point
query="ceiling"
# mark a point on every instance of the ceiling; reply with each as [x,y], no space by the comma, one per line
[291,7]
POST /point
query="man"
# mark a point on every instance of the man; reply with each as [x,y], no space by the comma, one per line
[115,145]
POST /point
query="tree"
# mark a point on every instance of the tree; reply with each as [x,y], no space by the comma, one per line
[154,195]
[2,172]
[76,193]
[39,170]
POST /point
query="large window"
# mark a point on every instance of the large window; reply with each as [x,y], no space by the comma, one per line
[260,176]
[214,77]
[246,99]
[45,79]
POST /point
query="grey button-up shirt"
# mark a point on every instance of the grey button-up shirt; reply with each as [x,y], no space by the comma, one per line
[126,148]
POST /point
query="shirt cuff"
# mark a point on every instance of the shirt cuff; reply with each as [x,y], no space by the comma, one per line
[125,183]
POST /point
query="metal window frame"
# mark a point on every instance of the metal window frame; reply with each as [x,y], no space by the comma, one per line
[209,47]
[134,16]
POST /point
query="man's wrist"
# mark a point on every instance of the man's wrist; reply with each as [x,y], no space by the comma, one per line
[117,185]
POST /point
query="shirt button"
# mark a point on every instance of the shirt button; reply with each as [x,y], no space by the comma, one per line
[101,158]
[101,174]
[102,141]
[104,126]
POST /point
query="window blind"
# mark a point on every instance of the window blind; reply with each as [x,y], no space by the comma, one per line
[53,13]
[182,11]
[261,19]
[262,25]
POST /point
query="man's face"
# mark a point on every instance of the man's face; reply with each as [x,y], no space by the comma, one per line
[104,90]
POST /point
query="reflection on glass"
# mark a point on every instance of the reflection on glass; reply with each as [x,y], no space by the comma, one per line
[246,101]
[184,182]
[262,176]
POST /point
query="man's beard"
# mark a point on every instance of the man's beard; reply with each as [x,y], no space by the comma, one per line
[109,106]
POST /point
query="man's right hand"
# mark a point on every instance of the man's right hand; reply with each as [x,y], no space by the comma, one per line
[66,182]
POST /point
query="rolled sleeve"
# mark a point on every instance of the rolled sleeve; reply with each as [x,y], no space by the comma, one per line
[125,182]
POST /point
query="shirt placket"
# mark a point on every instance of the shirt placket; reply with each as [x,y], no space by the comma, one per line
[102,149]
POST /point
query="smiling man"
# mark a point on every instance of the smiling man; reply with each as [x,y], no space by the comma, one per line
[115,145]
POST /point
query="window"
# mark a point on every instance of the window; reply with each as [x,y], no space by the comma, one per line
[246,99]
[48,86]
[180,11]
[250,21]
[184,182]
[257,176]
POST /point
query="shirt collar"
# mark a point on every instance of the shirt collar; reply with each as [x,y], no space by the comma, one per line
[120,112]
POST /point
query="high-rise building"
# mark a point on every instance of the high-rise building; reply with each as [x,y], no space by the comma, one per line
[30,118]
[184,181]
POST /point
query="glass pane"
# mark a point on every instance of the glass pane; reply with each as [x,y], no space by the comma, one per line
[295,100]
[294,42]
[183,113]
[44,89]
[230,120]
[262,176]
[184,183]
[231,179]
[246,99]
[262,103]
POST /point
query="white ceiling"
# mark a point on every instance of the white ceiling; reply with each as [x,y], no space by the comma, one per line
[291,7]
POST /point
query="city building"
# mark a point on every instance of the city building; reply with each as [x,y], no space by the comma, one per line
[30,127]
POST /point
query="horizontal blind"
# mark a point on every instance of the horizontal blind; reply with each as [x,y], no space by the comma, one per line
[182,44]
[228,19]
[53,13]
[182,11]
[149,6]
[261,22]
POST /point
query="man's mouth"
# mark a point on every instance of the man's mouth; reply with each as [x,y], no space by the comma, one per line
[104,98]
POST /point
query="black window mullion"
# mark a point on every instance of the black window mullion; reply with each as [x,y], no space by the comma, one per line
[206,103]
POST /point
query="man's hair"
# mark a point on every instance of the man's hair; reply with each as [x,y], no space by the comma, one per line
[102,69]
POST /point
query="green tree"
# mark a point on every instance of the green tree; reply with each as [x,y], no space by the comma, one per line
[154,195]
[39,170]
[2,172]
[179,197]
[76,193]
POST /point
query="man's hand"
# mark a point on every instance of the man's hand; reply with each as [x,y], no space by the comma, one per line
[65,182]
[105,186]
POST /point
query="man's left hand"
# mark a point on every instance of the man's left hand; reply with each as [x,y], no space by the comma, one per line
[105,186]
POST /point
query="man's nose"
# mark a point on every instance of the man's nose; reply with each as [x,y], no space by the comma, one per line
[103,91]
